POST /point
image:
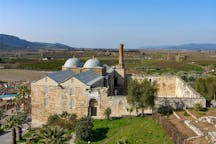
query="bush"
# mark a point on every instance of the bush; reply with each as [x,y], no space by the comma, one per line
[122,141]
[53,118]
[64,120]
[84,128]
[185,113]
[197,107]
[107,112]
[165,110]
[1,130]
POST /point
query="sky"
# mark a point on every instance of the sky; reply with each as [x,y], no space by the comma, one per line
[106,23]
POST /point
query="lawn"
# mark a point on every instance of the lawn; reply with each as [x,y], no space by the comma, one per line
[136,130]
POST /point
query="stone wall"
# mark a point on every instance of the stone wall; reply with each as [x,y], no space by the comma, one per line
[59,99]
[166,84]
[174,91]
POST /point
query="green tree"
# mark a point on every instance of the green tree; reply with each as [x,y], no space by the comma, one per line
[130,110]
[84,128]
[142,94]
[52,135]
[107,112]
[206,87]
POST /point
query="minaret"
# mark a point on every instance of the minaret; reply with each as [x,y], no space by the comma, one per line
[120,72]
[121,56]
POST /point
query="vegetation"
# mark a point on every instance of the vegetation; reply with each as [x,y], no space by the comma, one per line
[142,94]
[64,120]
[52,135]
[16,120]
[108,112]
[84,128]
[206,87]
[23,98]
[198,107]
[135,130]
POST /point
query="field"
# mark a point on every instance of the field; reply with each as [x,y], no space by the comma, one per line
[11,75]
[143,61]
[136,130]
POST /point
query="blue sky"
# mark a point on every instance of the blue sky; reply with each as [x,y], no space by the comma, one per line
[106,23]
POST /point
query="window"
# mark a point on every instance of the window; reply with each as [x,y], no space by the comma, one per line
[72,91]
[46,90]
[46,101]
[72,104]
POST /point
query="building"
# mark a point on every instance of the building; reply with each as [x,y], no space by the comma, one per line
[90,88]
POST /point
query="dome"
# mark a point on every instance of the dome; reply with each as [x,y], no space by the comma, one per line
[73,62]
[91,63]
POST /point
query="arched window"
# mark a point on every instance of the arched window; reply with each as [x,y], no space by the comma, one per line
[72,91]
[72,103]
[92,111]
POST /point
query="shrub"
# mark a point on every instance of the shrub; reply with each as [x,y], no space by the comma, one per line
[185,113]
[52,135]
[107,112]
[84,128]
[165,110]
[122,141]
[64,120]
[1,130]
[53,118]
[197,107]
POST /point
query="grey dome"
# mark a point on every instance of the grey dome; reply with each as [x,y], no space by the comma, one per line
[73,62]
[91,63]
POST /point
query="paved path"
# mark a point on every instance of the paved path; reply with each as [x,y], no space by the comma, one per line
[6,138]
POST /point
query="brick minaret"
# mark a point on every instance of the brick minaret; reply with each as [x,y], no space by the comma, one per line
[121,56]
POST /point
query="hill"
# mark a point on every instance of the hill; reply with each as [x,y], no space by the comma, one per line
[9,42]
[192,46]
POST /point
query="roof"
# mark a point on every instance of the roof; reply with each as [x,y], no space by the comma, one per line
[61,76]
[92,63]
[73,62]
[89,77]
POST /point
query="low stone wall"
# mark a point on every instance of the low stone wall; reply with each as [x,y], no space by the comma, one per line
[172,131]
[180,103]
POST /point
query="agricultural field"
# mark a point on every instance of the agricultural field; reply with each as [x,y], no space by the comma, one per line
[145,61]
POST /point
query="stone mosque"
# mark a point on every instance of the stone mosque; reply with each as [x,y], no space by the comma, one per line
[90,88]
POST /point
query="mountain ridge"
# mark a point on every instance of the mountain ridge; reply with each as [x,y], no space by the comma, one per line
[10,42]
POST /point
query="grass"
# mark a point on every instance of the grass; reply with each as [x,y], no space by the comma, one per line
[136,130]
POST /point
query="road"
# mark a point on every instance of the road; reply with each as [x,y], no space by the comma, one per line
[6,138]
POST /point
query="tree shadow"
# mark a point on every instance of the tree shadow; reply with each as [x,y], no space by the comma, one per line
[100,134]
[5,132]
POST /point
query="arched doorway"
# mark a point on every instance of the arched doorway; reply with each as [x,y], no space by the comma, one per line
[120,107]
[92,110]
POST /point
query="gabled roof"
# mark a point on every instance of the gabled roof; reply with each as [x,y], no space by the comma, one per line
[88,77]
[61,76]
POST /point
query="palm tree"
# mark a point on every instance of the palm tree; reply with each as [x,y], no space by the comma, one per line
[21,119]
[52,135]
[23,97]
[14,121]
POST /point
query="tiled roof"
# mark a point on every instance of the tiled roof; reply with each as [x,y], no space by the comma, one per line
[88,77]
[61,76]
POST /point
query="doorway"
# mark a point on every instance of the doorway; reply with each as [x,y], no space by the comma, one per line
[92,110]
